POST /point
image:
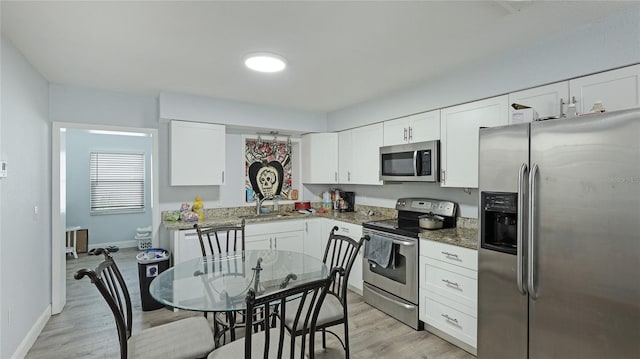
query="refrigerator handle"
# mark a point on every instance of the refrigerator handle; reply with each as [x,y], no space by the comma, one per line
[531,234]
[520,226]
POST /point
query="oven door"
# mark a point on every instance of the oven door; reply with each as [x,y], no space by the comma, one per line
[402,280]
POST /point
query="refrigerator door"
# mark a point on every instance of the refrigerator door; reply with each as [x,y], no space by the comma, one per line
[584,296]
[502,306]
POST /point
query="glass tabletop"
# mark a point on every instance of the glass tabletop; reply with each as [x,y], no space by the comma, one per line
[220,283]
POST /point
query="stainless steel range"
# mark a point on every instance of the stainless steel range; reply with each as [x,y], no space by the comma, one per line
[393,287]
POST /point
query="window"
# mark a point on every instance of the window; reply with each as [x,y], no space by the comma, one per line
[117,182]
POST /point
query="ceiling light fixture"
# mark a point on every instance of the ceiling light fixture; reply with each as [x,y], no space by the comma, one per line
[265,62]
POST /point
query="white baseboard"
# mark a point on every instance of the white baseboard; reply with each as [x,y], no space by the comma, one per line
[122,244]
[32,335]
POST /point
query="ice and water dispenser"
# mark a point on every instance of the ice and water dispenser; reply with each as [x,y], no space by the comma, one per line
[499,220]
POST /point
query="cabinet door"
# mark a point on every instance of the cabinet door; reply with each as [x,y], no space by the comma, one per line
[459,135]
[396,132]
[313,234]
[353,231]
[345,155]
[617,89]
[320,158]
[187,246]
[424,126]
[197,154]
[549,100]
[289,241]
[259,241]
[365,160]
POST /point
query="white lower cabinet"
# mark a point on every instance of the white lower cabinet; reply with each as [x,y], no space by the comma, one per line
[354,231]
[314,238]
[448,292]
[283,235]
[184,245]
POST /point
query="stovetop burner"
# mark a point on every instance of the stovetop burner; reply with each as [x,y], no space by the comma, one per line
[409,209]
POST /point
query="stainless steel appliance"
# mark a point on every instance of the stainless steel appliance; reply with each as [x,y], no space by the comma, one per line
[394,290]
[414,162]
[559,249]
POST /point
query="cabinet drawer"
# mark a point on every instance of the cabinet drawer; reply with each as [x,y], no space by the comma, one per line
[453,286]
[459,256]
[451,321]
[274,227]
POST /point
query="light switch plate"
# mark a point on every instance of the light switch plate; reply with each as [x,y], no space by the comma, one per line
[3,169]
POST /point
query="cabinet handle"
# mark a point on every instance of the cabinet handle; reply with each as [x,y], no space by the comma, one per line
[410,134]
[306,227]
[270,243]
[349,176]
[450,254]
[562,103]
[223,177]
[335,176]
[275,243]
[444,176]
[447,317]
[405,134]
[448,282]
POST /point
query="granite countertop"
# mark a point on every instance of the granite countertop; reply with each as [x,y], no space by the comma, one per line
[462,236]
[232,216]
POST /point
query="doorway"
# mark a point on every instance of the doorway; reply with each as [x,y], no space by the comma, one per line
[59,205]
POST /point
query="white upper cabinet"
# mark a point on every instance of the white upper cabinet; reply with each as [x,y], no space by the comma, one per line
[414,128]
[320,158]
[197,153]
[617,89]
[459,134]
[359,152]
[549,100]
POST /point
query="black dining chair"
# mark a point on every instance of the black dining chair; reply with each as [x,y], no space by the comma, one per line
[221,239]
[185,338]
[274,341]
[341,252]
[218,241]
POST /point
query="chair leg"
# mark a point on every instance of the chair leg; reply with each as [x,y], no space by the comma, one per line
[324,338]
[346,339]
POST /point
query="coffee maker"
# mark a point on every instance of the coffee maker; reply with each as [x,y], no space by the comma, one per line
[347,201]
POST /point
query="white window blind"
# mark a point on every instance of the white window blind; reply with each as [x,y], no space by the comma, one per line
[117,182]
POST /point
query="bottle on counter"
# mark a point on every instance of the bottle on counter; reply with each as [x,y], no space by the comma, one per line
[198,208]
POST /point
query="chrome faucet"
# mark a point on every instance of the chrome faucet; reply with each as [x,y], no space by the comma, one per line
[259,204]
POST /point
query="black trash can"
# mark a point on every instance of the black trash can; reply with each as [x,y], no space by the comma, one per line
[151,263]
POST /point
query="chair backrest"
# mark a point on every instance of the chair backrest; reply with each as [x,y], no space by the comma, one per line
[220,239]
[108,279]
[307,309]
[341,252]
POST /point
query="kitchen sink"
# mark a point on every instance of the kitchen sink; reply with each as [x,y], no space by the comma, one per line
[265,216]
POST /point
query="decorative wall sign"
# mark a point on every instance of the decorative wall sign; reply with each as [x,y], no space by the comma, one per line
[267,169]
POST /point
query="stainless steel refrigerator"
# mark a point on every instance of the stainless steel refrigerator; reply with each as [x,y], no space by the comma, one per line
[559,251]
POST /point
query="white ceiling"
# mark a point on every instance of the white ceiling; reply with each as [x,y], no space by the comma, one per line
[339,53]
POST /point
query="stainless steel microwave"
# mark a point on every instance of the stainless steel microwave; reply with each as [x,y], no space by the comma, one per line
[414,162]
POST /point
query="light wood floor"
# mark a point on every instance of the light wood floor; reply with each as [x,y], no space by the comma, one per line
[86,329]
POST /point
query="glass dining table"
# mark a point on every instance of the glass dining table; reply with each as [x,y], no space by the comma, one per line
[220,283]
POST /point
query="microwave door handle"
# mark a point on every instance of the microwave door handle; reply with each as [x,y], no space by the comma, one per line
[415,163]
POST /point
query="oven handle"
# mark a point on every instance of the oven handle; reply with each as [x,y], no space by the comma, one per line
[415,163]
[394,301]
[404,243]
[391,237]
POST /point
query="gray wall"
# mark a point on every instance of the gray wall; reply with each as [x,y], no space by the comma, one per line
[25,238]
[110,228]
[610,43]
